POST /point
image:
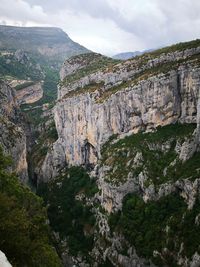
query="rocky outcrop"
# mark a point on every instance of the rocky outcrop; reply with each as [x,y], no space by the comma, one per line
[12,135]
[53,163]
[3,260]
[30,94]
[85,125]
[137,95]
[119,72]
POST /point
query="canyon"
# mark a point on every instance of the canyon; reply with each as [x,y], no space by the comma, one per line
[115,157]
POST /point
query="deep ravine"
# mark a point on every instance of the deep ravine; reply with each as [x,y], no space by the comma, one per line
[115,159]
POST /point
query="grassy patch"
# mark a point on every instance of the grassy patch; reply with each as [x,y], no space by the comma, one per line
[82,90]
[176,47]
[120,156]
[24,85]
[93,63]
[163,68]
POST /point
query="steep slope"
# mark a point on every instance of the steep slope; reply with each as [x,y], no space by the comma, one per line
[30,59]
[135,127]
[24,74]
[45,43]
[12,135]
[25,235]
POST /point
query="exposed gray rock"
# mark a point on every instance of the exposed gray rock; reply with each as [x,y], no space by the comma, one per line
[85,125]
[3,260]
[30,94]
[12,135]
[53,163]
[120,72]
[195,260]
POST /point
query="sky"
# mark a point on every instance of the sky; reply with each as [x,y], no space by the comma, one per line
[110,26]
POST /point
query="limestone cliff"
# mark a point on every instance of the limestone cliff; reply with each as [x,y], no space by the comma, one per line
[30,93]
[135,127]
[3,260]
[138,95]
[12,135]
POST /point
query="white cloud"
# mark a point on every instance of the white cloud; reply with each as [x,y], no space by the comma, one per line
[111,26]
[20,12]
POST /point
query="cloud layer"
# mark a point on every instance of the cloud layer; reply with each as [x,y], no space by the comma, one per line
[110,26]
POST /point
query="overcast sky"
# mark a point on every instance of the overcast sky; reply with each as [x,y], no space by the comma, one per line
[110,26]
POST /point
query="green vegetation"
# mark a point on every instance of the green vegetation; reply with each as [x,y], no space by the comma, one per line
[142,59]
[91,63]
[24,85]
[120,155]
[107,263]
[176,47]
[50,85]
[10,66]
[25,235]
[162,68]
[48,45]
[86,89]
[34,111]
[44,141]
[161,226]
[70,216]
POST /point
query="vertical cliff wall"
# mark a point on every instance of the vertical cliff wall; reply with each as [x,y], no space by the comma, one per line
[12,135]
[122,98]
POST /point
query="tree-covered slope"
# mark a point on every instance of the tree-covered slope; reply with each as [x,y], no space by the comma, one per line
[25,234]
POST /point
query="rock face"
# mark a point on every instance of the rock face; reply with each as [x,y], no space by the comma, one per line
[3,260]
[30,94]
[86,119]
[161,100]
[12,135]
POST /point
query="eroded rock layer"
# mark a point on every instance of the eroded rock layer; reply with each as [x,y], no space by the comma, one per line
[12,135]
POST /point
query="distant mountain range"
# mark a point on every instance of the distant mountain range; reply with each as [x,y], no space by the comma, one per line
[45,43]
[128,55]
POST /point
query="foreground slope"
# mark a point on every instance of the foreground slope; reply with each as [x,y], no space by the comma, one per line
[25,235]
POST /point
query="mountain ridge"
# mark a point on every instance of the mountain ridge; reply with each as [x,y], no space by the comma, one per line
[49,42]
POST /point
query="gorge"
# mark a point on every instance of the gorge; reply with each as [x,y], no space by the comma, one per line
[114,158]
